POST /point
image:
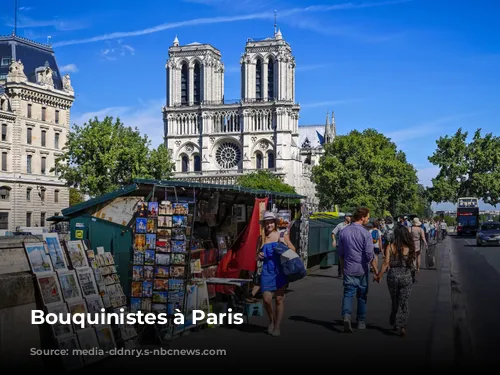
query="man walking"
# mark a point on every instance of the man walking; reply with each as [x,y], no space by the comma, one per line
[356,257]
[335,236]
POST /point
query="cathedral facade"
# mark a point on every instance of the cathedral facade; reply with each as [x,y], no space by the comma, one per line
[213,140]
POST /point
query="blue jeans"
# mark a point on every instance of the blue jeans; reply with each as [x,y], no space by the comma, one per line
[355,285]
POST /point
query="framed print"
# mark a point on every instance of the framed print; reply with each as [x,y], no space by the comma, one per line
[87,281]
[77,307]
[141,225]
[150,241]
[153,209]
[147,289]
[56,252]
[59,329]
[105,337]
[136,289]
[50,289]
[162,259]
[165,208]
[77,256]
[94,304]
[142,209]
[69,285]
[239,213]
[151,226]
[180,208]
[146,304]
[140,242]
[72,361]
[148,273]
[38,257]
[179,221]
[149,257]
[161,272]
[161,284]
[88,340]
[137,273]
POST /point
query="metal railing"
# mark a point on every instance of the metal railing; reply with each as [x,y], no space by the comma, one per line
[228,102]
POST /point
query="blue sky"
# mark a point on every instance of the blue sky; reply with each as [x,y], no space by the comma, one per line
[414,70]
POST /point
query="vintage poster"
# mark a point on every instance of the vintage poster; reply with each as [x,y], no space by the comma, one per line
[119,210]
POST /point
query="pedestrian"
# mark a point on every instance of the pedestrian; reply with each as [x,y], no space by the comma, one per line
[356,258]
[400,259]
[335,236]
[273,279]
[418,235]
[376,235]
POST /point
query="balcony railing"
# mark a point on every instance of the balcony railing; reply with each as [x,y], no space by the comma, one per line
[227,102]
[215,172]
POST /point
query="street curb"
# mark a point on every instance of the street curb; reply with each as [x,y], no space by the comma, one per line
[442,340]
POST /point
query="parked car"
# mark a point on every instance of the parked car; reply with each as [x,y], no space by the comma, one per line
[489,233]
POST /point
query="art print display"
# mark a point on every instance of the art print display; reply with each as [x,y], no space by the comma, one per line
[87,281]
[177,259]
[177,271]
[136,289]
[38,257]
[164,221]
[56,252]
[141,225]
[77,256]
[105,338]
[178,246]
[164,234]
[151,226]
[135,304]
[180,208]
[149,257]
[165,208]
[88,341]
[140,242]
[147,289]
[148,272]
[161,272]
[150,241]
[162,259]
[137,273]
[69,285]
[49,288]
[138,258]
[58,328]
[142,209]
[77,307]
[69,343]
[94,304]
[179,221]
[153,209]
[161,284]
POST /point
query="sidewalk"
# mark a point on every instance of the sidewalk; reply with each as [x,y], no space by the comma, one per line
[312,331]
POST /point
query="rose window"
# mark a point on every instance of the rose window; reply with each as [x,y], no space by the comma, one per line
[228,155]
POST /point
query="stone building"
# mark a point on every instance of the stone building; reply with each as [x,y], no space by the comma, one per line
[35,103]
[215,140]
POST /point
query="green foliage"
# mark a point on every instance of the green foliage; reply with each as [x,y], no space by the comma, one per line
[102,156]
[365,169]
[264,180]
[467,169]
[423,204]
[75,196]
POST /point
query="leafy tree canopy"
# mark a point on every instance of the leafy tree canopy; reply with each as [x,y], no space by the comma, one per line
[467,169]
[365,169]
[75,196]
[264,180]
[102,156]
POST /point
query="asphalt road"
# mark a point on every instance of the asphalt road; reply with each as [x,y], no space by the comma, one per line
[476,297]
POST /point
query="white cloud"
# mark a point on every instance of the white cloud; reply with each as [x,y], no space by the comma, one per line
[425,175]
[146,116]
[116,49]
[70,68]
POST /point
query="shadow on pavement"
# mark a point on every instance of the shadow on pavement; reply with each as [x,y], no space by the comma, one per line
[247,328]
[323,323]
[329,276]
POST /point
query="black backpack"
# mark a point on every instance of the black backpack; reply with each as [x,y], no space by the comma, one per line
[389,235]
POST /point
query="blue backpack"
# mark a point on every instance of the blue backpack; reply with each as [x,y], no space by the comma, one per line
[375,235]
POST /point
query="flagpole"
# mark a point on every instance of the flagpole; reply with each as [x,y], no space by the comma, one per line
[15,18]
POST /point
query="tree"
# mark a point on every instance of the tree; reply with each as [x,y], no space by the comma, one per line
[365,169]
[75,196]
[102,156]
[467,169]
[264,180]
[423,206]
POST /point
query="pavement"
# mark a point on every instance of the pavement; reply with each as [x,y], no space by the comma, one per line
[312,331]
[476,289]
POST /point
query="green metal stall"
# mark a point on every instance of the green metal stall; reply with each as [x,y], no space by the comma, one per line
[320,249]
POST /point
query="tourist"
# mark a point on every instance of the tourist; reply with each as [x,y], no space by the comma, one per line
[335,236]
[418,235]
[356,257]
[376,235]
[400,259]
[272,278]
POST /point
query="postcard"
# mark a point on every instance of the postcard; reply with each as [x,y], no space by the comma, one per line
[177,271]
[137,273]
[164,233]
[161,284]
[138,257]
[136,289]
[94,304]
[148,273]
[153,209]
[165,208]
[180,208]
[178,234]
[38,258]
[70,286]
[146,304]
[150,241]
[179,221]
[87,281]
[56,252]
[49,288]
[149,257]
[135,305]
[173,306]
[141,225]
[160,297]
[105,338]
[72,361]
[159,307]
[164,221]
[58,328]
[76,251]
[140,242]
[142,209]
[77,307]
[178,259]
[88,341]
[176,297]
[178,246]
[161,272]
[163,247]
[151,226]
[147,289]
[176,285]
[162,259]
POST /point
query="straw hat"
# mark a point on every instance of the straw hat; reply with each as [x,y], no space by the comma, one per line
[416,222]
[268,215]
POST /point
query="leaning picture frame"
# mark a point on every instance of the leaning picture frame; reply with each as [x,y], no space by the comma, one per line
[78,307]
[88,341]
[49,288]
[56,251]
[38,257]
[106,338]
[73,361]
[59,329]
[76,251]
[86,278]
[70,287]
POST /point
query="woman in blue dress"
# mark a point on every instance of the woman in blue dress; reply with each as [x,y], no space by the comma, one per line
[273,280]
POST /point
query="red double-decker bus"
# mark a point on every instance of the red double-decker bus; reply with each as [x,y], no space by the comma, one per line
[467,216]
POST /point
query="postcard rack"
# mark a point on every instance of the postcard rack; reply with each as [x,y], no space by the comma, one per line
[67,284]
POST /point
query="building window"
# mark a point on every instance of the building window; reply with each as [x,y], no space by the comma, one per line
[28,219]
[270,78]
[56,140]
[44,138]
[42,194]
[197,163]
[28,194]
[197,83]
[258,160]
[29,111]
[56,196]
[57,117]
[42,219]
[44,164]
[258,79]
[5,61]
[270,160]
[4,220]
[44,114]
[4,161]
[4,132]
[185,164]
[28,163]
[29,136]
[4,193]
[184,84]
